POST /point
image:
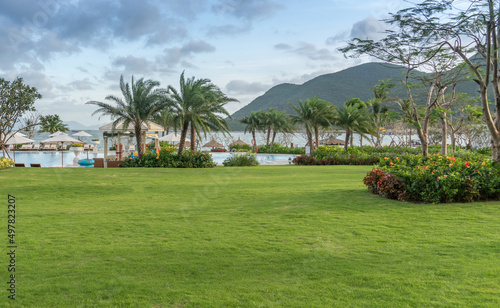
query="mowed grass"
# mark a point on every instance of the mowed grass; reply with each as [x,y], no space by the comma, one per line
[269,236]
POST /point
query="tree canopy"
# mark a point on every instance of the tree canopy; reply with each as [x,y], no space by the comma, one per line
[16,98]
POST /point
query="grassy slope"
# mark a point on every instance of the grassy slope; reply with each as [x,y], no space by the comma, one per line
[281,236]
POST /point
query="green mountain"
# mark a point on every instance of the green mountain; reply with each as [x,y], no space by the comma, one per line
[336,88]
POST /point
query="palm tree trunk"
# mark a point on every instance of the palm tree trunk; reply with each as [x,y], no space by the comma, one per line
[255,140]
[346,144]
[274,136]
[193,138]
[184,130]
[138,138]
[310,140]
[316,133]
[268,136]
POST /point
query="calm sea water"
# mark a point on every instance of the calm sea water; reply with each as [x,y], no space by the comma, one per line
[298,139]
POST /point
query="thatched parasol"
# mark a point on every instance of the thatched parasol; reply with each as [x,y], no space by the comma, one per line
[213,144]
[187,144]
[238,142]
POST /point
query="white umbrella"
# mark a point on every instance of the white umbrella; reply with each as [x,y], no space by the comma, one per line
[17,139]
[20,134]
[57,134]
[61,138]
[173,137]
[82,134]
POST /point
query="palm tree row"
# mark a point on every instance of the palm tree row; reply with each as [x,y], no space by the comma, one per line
[313,115]
[198,105]
[271,122]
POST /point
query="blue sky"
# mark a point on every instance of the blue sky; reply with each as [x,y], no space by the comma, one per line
[74,51]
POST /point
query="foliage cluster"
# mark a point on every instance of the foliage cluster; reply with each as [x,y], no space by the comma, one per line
[5,162]
[241,148]
[435,179]
[241,160]
[167,158]
[279,149]
[340,158]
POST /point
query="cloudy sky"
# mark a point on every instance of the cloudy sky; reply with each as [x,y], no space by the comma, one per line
[74,51]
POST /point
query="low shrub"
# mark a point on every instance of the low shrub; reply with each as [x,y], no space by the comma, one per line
[436,178]
[304,160]
[241,160]
[218,150]
[279,149]
[168,158]
[5,162]
[241,148]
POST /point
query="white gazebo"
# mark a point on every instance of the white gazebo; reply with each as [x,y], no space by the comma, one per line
[149,129]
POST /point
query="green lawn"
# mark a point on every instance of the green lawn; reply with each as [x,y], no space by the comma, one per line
[269,236]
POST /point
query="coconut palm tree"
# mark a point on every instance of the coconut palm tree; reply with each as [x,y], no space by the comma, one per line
[198,105]
[253,123]
[52,123]
[141,101]
[165,118]
[281,122]
[314,113]
[354,119]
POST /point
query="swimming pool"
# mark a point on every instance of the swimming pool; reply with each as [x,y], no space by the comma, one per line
[49,159]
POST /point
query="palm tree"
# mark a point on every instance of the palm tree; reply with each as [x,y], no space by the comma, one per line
[141,101]
[314,113]
[52,123]
[165,118]
[280,123]
[253,123]
[198,105]
[354,119]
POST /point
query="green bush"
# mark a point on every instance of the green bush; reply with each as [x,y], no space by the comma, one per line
[279,149]
[241,160]
[241,148]
[167,158]
[438,179]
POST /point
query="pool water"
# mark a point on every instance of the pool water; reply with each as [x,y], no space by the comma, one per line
[49,159]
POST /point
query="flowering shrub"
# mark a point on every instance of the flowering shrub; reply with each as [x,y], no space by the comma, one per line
[304,160]
[436,178]
[241,160]
[218,150]
[5,162]
[76,145]
[168,158]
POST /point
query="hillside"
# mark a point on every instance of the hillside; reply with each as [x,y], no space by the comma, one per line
[336,88]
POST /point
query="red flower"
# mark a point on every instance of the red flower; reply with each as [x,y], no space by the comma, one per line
[467,164]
